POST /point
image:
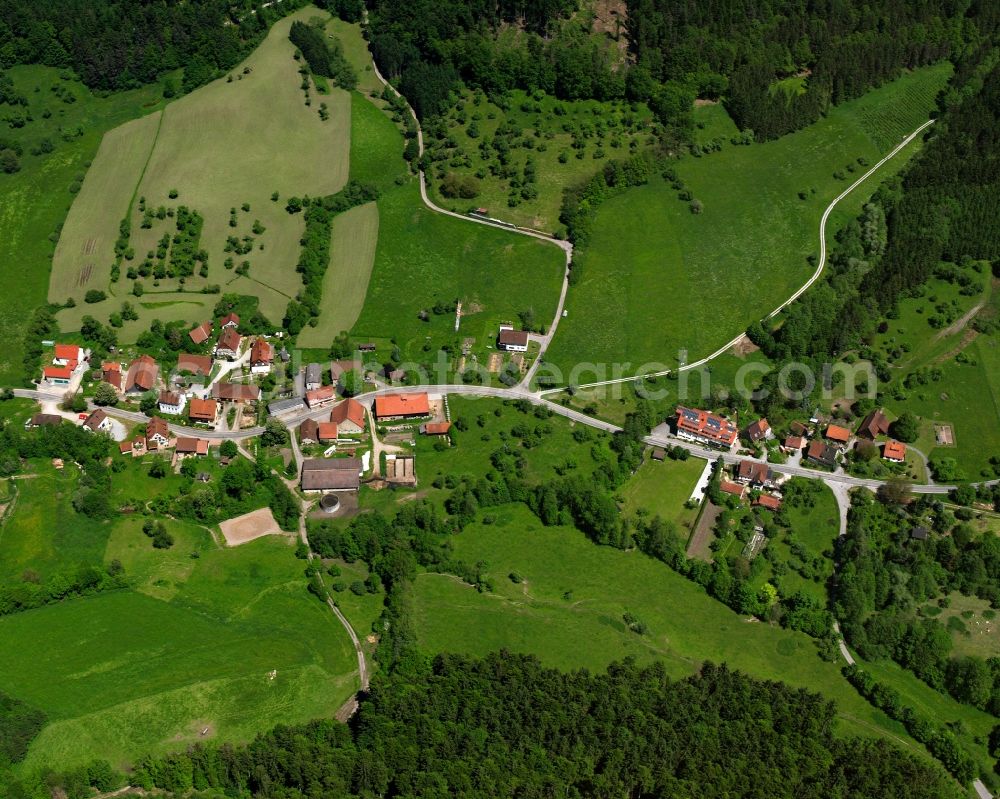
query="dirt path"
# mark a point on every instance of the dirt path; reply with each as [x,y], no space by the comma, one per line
[959,323]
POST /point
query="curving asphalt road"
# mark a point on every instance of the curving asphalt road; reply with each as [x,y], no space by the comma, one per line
[805,286]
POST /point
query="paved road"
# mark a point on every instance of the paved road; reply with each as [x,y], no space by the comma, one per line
[535,398]
[815,276]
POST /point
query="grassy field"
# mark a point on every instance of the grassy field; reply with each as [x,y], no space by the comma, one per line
[424,258]
[230,143]
[356,52]
[662,488]
[352,252]
[191,644]
[656,279]
[566,141]
[568,612]
[37,199]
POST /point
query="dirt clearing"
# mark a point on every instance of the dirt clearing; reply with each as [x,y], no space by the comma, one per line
[249,526]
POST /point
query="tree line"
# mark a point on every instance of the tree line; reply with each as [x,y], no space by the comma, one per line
[505,726]
[116,44]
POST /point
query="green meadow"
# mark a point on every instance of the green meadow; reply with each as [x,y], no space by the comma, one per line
[206,643]
[568,611]
[657,281]
[662,487]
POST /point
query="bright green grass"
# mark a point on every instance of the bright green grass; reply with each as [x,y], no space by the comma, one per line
[219,150]
[981,636]
[713,122]
[569,613]
[356,52]
[662,488]
[968,398]
[37,199]
[816,528]
[937,707]
[353,236]
[376,145]
[18,411]
[552,176]
[656,280]
[424,258]
[127,673]
[44,534]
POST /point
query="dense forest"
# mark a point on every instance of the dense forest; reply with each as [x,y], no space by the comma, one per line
[778,65]
[118,44]
[506,726]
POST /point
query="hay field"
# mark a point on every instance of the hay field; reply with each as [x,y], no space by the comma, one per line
[353,236]
[228,143]
[86,248]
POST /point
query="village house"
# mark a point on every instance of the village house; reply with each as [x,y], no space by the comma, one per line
[309,432]
[349,416]
[875,424]
[326,432]
[141,376]
[111,373]
[658,454]
[230,320]
[58,375]
[157,433]
[98,421]
[755,474]
[823,454]
[331,474]
[43,420]
[339,368]
[435,428]
[228,345]
[768,501]
[135,447]
[894,451]
[793,444]
[261,357]
[919,533]
[512,340]
[200,365]
[71,355]
[799,429]
[187,445]
[201,334]
[401,406]
[735,489]
[705,428]
[314,376]
[202,410]
[318,397]
[838,435]
[235,392]
[759,431]
[171,402]
[285,406]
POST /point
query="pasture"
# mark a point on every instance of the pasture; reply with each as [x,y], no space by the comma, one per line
[658,283]
[568,611]
[205,637]
[36,199]
[424,259]
[353,236]
[219,152]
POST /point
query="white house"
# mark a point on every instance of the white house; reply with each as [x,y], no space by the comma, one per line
[512,340]
[172,402]
[261,357]
[98,421]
